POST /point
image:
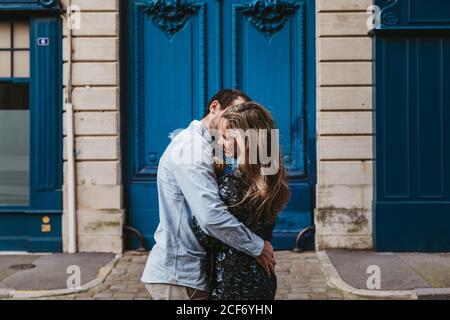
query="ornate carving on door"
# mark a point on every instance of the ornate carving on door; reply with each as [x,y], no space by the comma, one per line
[169,16]
[269,16]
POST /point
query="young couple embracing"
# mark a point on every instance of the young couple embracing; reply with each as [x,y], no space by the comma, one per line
[217,220]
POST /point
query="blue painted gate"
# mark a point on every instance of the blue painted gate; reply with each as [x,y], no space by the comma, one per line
[412,207]
[180,53]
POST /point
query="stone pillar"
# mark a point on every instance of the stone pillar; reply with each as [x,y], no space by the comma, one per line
[344,122]
[95,80]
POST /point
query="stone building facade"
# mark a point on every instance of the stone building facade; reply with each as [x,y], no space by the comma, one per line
[342,120]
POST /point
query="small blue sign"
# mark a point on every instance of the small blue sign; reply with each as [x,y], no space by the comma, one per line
[43,42]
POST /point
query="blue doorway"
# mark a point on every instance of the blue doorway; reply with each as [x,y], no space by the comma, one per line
[30,127]
[412,189]
[179,53]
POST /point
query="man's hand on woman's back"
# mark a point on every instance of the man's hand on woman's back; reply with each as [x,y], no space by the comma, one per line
[267,259]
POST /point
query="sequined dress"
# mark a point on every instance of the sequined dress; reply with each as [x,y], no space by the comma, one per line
[234,274]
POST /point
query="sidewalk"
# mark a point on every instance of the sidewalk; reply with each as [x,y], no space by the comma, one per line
[29,275]
[330,275]
[402,275]
[300,277]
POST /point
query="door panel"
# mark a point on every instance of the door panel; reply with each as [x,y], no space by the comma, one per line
[270,68]
[266,59]
[168,90]
[178,63]
[413,143]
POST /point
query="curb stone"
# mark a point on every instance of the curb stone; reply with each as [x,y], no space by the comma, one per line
[5,293]
[31,294]
[433,293]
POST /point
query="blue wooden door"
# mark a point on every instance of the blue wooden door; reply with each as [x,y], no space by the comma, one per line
[181,53]
[30,129]
[412,207]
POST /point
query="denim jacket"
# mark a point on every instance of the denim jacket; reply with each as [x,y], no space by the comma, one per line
[187,187]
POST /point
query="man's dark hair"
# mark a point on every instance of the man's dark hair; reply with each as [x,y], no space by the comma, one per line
[226,98]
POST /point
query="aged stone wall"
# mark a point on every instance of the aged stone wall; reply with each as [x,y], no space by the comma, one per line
[344,123]
[95,82]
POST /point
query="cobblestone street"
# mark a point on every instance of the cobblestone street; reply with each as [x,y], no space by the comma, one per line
[300,277]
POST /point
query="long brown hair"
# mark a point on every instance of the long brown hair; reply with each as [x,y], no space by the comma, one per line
[268,194]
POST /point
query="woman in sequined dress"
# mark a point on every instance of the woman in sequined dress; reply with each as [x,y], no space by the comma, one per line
[255,194]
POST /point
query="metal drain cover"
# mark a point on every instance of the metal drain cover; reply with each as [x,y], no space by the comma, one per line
[25,266]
